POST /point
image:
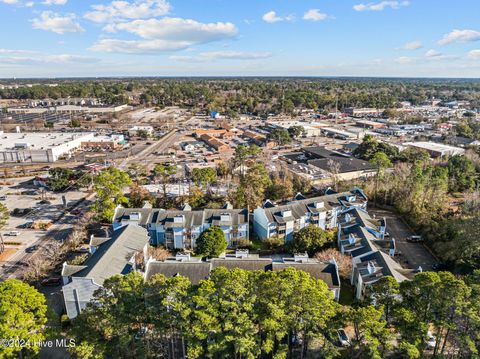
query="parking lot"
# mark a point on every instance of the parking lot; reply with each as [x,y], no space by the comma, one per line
[24,230]
[412,255]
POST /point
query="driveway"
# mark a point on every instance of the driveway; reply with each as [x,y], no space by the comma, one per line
[412,255]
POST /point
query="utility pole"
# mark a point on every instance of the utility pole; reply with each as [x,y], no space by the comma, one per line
[336,108]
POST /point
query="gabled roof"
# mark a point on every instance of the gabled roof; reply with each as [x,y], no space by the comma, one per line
[77,294]
[191,218]
[384,266]
[300,207]
[262,264]
[195,271]
[364,243]
[318,270]
[113,256]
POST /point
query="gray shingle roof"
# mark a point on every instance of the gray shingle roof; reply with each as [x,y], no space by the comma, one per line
[113,256]
[194,271]
[300,207]
[384,266]
[77,294]
[262,264]
[191,218]
[318,270]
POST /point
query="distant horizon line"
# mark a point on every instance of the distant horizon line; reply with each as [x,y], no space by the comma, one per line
[236,77]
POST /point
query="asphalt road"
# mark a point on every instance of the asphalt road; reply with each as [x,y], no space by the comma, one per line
[413,255]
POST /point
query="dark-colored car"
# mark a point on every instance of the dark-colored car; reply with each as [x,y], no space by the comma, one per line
[439,267]
[415,239]
[52,281]
[31,249]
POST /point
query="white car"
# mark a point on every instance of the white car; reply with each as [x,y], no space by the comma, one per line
[431,341]
[13,233]
[343,338]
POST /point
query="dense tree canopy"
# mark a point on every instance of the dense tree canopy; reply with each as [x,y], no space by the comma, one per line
[109,185]
[233,314]
[23,315]
[311,239]
[211,242]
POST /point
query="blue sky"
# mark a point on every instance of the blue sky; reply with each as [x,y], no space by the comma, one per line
[418,38]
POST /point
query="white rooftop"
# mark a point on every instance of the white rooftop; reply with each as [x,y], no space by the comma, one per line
[40,140]
[439,147]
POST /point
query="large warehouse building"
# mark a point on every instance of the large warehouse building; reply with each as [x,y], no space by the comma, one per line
[40,147]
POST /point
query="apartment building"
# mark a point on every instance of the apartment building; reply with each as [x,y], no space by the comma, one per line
[196,270]
[108,257]
[284,220]
[373,255]
[179,229]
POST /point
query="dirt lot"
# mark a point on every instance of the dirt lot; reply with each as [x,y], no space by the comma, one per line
[412,255]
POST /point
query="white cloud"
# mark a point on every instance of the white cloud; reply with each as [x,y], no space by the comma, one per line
[314,15]
[166,34]
[60,24]
[124,10]
[15,52]
[222,55]
[474,54]
[460,36]
[272,17]
[138,46]
[17,2]
[433,53]
[405,60]
[380,6]
[54,2]
[48,59]
[413,45]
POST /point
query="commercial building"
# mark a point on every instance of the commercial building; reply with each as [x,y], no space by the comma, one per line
[135,130]
[360,112]
[258,139]
[309,130]
[40,147]
[436,149]
[73,109]
[215,143]
[369,124]
[321,165]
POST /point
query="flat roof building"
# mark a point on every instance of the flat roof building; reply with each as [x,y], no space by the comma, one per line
[41,146]
[437,149]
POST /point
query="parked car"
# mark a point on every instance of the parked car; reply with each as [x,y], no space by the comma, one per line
[31,249]
[23,264]
[414,239]
[3,198]
[431,341]
[343,338]
[439,266]
[52,281]
[13,233]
